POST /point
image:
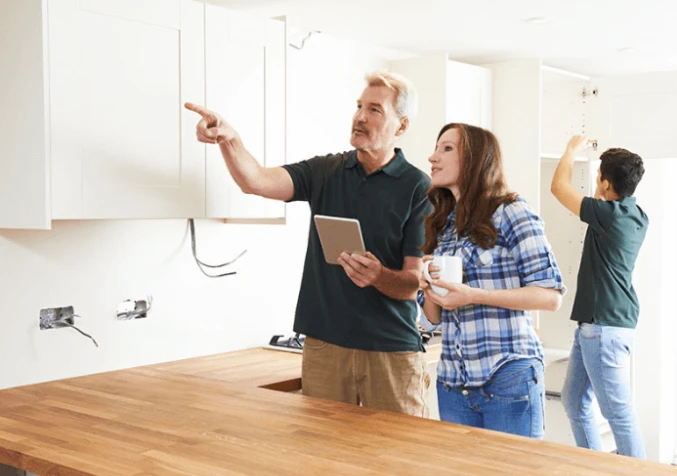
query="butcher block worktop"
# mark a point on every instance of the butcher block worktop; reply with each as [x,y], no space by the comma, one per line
[232,414]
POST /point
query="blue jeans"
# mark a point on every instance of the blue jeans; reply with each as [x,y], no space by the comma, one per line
[511,402]
[599,366]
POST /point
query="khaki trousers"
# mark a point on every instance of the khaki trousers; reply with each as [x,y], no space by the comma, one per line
[394,381]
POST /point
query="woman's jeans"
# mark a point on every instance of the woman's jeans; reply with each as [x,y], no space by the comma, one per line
[512,401]
[599,366]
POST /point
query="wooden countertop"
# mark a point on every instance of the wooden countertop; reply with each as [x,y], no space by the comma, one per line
[210,416]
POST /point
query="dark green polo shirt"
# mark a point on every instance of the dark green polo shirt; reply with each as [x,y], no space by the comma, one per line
[605,294]
[389,204]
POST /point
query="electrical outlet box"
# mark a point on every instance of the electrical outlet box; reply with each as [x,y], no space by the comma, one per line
[128,310]
[52,318]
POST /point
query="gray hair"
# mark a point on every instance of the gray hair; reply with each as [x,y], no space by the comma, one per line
[406,99]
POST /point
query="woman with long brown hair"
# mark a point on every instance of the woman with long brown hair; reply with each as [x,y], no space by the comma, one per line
[490,374]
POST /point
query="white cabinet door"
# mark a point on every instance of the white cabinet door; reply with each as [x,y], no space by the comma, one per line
[24,160]
[429,76]
[276,105]
[245,68]
[516,98]
[448,91]
[468,94]
[637,113]
[122,144]
[564,110]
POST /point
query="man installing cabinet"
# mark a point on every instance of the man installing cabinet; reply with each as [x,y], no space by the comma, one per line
[606,306]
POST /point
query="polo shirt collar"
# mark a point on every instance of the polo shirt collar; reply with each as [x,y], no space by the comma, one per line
[394,168]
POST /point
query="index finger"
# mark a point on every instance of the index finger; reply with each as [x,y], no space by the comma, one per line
[203,111]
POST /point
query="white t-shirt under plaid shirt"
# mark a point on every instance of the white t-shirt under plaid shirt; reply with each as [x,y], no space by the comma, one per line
[478,339]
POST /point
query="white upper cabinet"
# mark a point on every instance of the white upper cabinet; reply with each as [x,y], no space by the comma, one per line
[92,124]
[516,122]
[448,91]
[24,128]
[122,144]
[565,109]
[536,110]
[245,64]
[637,113]
[468,94]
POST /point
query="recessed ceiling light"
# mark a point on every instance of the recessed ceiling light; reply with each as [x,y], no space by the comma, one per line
[537,20]
[627,49]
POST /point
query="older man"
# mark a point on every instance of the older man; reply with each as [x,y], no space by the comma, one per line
[362,343]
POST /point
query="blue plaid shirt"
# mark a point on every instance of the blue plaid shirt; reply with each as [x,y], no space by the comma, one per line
[478,339]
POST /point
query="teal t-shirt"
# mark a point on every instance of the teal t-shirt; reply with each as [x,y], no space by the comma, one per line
[389,204]
[616,230]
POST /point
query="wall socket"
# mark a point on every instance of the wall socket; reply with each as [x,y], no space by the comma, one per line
[129,310]
[49,317]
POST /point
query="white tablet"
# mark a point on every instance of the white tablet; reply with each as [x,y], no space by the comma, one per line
[338,235]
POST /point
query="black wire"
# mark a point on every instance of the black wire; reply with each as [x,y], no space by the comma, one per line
[295,341]
[200,264]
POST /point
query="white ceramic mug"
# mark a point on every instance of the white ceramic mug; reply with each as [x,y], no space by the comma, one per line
[451,270]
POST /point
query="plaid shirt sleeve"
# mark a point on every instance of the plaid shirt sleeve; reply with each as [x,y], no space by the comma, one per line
[420,298]
[530,248]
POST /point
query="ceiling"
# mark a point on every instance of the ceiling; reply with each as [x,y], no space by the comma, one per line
[593,37]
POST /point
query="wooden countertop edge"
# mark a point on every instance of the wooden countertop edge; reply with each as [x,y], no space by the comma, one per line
[18,455]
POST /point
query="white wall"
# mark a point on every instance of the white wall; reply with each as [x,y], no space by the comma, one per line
[93,265]
[655,282]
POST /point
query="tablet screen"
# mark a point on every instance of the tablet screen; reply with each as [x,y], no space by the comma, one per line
[337,235]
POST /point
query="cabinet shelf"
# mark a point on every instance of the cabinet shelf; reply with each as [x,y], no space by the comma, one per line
[553,156]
